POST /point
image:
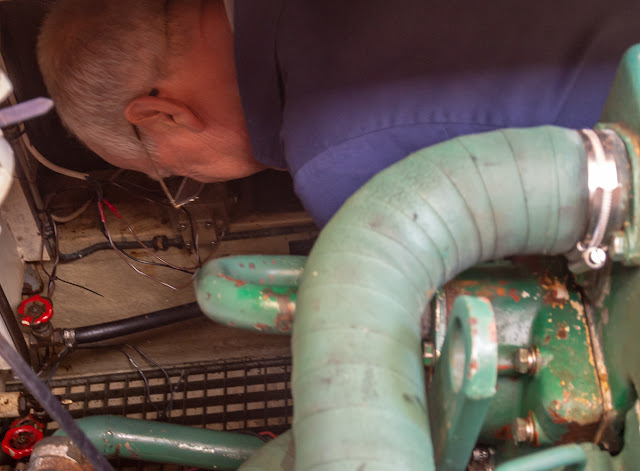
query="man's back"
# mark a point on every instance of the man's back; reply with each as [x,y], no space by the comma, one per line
[341,90]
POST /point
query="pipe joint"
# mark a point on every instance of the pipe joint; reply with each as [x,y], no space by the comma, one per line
[607,178]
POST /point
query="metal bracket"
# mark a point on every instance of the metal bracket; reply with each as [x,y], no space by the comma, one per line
[464,382]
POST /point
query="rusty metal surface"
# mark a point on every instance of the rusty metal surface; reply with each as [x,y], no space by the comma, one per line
[9,405]
[58,453]
[537,308]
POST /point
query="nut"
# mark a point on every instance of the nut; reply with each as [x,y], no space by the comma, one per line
[523,430]
[526,360]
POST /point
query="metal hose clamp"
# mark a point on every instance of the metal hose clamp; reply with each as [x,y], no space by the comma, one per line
[603,182]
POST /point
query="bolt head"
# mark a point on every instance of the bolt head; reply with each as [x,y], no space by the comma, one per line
[520,431]
[522,362]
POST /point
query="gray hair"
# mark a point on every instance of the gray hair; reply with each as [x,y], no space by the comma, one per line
[95,57]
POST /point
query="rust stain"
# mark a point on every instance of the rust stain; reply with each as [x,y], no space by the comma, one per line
[557,294]
[252,266]
[493,332]
[465,283]
[241,265]
[129,448]
[500,291]
[505,367]
[575,432]
[283,322]
[472,321]
[473,368]
[260,326]
[271,278]
[546,339]
[503,282]
[261,281]
[504,433]
[231,324]
[563,332]
[514,295]
[238,283]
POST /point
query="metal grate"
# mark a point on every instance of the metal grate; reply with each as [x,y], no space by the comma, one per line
[247,395]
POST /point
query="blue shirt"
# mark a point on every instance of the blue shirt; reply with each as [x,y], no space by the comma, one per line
[338,90]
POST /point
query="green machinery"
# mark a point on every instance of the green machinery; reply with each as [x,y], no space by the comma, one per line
[472,306]
[531,362]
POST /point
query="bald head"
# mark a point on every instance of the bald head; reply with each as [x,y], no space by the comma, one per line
[96,56]
[165,67]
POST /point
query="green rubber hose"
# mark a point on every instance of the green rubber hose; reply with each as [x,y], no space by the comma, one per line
[358,375]
[254,292]
[158,442]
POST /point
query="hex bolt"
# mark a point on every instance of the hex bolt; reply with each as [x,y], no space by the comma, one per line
[523,430]
[527,360]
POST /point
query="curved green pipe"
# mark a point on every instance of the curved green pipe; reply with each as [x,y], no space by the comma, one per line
[254,292]
[358,375]
[553,458]
[159,442]
[277,455]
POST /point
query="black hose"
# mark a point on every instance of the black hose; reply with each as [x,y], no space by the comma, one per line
[131,325]
[13,327]
[46,399]
[157,243]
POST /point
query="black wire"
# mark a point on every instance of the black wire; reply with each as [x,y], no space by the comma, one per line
[120,347]
[147,262]
[52,406]
[169,405]
[54,364]
[79,286]
[144,379]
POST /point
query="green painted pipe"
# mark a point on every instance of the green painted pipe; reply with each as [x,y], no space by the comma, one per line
[358,375]
[158,442]
[277,455]
[553,458]
[255,292]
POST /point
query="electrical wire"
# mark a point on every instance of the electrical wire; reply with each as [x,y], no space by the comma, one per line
[50,165]
[147,262]
[124,257]
[171,388]
[52,275]
[73,215]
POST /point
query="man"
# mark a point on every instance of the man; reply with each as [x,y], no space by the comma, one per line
[334,91]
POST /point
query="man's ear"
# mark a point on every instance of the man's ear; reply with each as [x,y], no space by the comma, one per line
[150,111]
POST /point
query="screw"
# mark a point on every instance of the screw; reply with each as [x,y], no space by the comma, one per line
[526,360]
[595,257]
[208,225]
[524,430]
[182,227]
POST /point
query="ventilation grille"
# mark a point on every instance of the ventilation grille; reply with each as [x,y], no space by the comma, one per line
[244,395]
